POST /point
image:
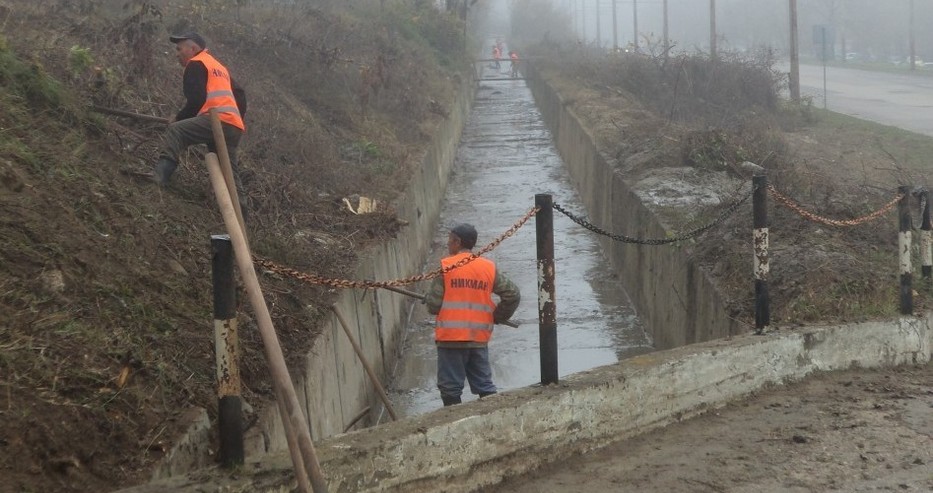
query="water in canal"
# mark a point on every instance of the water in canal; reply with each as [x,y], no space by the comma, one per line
[506,156]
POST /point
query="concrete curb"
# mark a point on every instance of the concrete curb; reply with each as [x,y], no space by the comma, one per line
[462,448]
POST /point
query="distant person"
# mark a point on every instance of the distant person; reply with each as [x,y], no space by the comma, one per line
[462,301]
[206,84]
[513,63]
[496,55]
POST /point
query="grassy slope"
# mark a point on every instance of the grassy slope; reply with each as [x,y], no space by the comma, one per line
[105,303]
[834,165]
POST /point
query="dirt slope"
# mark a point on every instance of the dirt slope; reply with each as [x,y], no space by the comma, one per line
[105,307]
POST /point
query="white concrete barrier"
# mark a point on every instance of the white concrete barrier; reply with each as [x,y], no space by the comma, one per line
[462,448]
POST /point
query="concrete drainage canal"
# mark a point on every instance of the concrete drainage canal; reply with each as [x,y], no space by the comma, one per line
[506,156]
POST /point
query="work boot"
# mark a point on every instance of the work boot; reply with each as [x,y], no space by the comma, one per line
[449,400]
[163,171]
[486,394]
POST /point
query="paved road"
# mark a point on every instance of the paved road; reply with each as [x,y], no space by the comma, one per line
[901,100]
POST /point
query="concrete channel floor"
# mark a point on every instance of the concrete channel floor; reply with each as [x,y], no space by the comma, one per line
[855,430]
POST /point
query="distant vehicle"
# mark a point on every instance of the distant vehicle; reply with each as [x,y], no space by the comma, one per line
[853,56]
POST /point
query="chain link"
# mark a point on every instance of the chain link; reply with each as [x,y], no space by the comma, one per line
[347,283]
[790,204]
[656,241]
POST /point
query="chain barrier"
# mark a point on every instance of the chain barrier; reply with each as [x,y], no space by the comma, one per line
[656,241]
[347,283]
[790,204]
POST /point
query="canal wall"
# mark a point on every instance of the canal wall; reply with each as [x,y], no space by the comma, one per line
[463,448]
[333,386]
[673,296]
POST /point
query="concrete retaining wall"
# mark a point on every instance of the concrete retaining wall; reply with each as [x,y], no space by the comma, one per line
[465,447]
[672,295]
[334,386]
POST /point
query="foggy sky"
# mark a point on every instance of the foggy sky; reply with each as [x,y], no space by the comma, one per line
[879,27]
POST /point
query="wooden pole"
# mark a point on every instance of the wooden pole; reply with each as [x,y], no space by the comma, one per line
[369,369]
[285,389]
[220,142]
[129,114]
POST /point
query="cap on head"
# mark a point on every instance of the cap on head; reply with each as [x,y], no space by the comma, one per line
[466,233]
[198,40]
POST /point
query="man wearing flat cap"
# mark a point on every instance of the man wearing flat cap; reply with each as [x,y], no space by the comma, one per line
[207,84]
[466,313]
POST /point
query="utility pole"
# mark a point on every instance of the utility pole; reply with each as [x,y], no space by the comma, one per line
[635,17]
[712,29]
[667,40]
[583,19]
[913,44]
[615,28]
[599,34]
[794,81]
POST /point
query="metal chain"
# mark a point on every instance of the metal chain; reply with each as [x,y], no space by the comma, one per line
[656,241]
[790,204]
[347,283]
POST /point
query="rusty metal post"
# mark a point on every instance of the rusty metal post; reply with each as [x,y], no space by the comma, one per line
[903,244]
[286,396]
[762,264]
[926,241]
[226,353]
[547,312]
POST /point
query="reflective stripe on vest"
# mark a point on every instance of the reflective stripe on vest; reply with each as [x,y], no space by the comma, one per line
[219,91]
[467,309]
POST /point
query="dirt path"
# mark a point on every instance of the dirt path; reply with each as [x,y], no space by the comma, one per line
[846,431]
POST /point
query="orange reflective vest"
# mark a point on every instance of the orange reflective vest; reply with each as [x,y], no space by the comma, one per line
[219,91]
[466,312]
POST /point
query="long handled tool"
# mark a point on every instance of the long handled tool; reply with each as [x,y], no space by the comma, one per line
[130,114]
[419,296]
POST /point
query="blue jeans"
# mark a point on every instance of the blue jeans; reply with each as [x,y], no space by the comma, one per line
[455,364]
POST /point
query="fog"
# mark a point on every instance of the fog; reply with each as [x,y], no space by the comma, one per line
[867,30]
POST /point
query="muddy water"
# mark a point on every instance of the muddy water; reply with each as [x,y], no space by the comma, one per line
[506,157]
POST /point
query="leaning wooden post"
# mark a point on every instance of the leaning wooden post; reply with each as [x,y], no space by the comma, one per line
[547,311]
[369,369]
[926,241]
[762,264]
[282,382]
[226,349]
[220,142]
[903,243]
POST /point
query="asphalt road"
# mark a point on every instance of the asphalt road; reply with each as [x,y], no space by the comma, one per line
[901,100]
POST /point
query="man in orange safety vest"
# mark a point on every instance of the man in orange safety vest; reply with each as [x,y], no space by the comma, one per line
[466,313]
[207,84]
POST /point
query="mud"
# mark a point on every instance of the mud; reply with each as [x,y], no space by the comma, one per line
[857,430]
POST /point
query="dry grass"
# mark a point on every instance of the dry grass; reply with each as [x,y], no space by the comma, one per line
[105,302]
